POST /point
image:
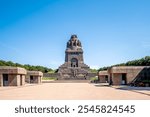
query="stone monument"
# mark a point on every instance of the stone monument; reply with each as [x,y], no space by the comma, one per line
[74,67]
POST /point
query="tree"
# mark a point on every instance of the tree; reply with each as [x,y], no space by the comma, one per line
[139,62]
[26,66]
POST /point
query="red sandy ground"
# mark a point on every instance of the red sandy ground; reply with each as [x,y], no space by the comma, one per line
[73,91]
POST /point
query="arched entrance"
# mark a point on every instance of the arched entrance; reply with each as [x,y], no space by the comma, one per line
[74,62]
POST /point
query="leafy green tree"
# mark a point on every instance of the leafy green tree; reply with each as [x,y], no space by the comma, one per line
[26,66]
[139,62]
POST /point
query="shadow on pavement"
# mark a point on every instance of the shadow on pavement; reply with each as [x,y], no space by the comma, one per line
[135,89]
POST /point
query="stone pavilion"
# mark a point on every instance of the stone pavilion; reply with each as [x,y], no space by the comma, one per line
[12,76]
[34,77]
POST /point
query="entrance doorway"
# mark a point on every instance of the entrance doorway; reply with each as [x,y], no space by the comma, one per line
[31,79]
[5,80]
[74,62]
[106,79]
[124,79]
[21,81]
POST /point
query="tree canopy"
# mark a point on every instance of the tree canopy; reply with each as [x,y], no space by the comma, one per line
[26,66]
[139,62]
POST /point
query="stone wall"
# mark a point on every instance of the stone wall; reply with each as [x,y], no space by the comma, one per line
[1,80]
[102,79]
[12,80]
[58,76]
[39,79]
[132,75]
[116,78]
[27,79]
[36,79]
[23,79]
[12,70]
[51,75]
[126,69]
[18,78]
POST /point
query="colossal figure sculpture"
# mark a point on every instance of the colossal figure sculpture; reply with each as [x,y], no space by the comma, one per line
[74,67]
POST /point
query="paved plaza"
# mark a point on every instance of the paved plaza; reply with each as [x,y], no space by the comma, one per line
[74,91]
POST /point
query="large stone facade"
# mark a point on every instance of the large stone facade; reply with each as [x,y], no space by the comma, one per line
[125,74]
[74,67]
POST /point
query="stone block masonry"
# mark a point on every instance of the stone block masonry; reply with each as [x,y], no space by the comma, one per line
[74,67]
[12,76]
[34,77]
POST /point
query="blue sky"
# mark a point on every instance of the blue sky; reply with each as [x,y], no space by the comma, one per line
[111,31]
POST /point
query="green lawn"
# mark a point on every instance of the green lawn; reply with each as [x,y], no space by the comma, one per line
[94,78]
[49,78]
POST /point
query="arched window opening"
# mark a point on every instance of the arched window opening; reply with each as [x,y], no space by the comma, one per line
[74,62]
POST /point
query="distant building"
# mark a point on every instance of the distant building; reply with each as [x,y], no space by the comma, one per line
[74,67]
[12,76]
[103,76]
[34,77]
[122,75]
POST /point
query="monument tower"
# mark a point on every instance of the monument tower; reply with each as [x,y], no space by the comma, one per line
[74,67]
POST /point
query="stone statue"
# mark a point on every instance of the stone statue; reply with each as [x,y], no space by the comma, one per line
[73,36]
[73,42]
[79,44]
[74,73]
[68,44]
